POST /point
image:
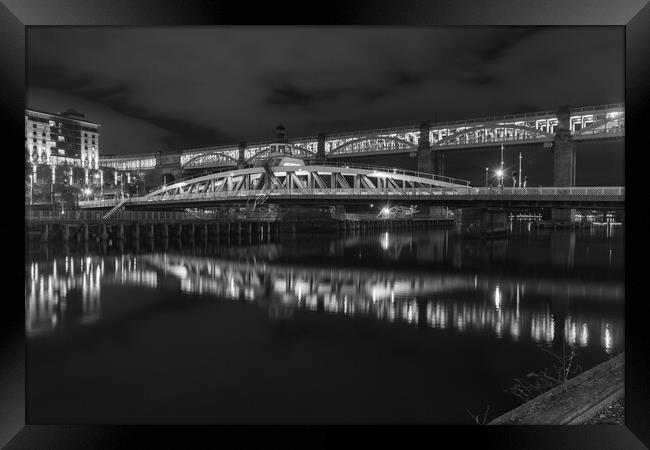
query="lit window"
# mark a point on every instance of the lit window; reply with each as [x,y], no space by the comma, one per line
[61,139]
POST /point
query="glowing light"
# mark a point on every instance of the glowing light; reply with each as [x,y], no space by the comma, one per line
[499,173]
[497,297]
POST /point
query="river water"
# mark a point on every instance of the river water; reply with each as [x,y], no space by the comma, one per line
[386,327]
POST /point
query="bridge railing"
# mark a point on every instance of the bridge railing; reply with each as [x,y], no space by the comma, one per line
[494,192]
[90,216]
[615,193]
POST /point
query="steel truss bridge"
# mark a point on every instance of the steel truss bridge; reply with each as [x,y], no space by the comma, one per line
[585,123]
[340,184]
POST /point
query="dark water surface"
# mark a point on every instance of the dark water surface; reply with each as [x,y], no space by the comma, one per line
[395,327]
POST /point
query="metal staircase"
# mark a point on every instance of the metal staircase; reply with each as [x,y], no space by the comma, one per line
[115,208]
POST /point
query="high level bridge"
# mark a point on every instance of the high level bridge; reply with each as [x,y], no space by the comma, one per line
[552,129]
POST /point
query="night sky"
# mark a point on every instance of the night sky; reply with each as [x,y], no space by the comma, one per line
[162,89]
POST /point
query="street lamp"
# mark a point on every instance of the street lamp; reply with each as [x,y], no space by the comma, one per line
[500,176]
[519,169]
[486,177]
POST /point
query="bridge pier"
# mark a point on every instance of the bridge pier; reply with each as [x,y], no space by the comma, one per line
[45,233]
[66,233]
[564,162]
[438,162]
[136,232]
[241,160]
[104,233]
[120,232]
[480,222]
[320,148]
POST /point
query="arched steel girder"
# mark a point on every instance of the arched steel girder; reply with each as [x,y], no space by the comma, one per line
[600,123]
[302,149]
[452,137]
[232,180]
[409,144]
[203,155]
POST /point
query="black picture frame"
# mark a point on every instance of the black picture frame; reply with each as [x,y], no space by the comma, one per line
[634,15]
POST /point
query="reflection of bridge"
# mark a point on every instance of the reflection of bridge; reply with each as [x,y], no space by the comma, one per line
[583,124]
[508,307]
[338,184]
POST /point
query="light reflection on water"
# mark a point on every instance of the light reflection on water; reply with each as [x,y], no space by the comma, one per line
[517,307]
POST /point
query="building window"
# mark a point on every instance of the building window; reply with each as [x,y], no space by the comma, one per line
[61,139]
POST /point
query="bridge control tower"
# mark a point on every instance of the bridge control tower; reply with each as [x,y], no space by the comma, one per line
[281,146]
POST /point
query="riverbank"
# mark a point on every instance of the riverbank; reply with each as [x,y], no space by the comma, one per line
[575,402]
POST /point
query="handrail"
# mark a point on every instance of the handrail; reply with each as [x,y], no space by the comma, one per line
[614,193]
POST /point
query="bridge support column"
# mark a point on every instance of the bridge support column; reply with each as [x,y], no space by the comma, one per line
[425,157]
[241,160]
[564,162]
[66,233]
[320,149]
[480,222]
[165,230]
[45,235]
[120,232]
[438,162]
[136,232]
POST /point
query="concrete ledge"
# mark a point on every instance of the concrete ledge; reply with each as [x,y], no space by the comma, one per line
[585,396]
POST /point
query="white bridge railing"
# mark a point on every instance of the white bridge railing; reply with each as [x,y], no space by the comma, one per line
[615,193]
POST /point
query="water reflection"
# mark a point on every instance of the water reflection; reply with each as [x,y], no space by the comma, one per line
[541,309]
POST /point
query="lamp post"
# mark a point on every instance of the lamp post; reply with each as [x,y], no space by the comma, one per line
[501,169]
[519,169]
[486,177]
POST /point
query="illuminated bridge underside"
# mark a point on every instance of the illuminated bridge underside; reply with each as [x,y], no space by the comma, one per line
[587,123]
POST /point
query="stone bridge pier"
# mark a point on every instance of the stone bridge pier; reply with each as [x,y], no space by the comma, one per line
[429,161]
[564,162]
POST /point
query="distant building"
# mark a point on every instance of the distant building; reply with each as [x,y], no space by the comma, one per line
[65,138]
